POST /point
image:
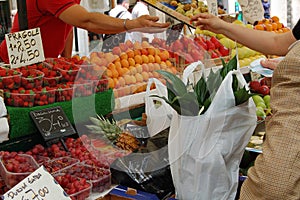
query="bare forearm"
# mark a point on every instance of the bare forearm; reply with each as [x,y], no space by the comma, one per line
[269,43]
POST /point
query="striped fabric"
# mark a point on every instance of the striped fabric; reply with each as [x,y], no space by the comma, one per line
[276,173]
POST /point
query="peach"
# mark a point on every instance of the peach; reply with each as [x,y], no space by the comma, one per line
[115,73]
[151,67]
[144,51]
[100,54]
[130,53]
[117,64]
[145,67]
[129,44]
[137,45]
[116,50]
[109,73]
[157,59]
[127,79]
[133,79]
[150,75]
[123,55]
[126,71]
[156,66]
[93,54]
[155,74]
[123,47]
[138,59]
[151,51]
[137,52]
[111,83]
[145,76]
[109,57]
[139,77]
[145,59]
[131,62]
[111,66]
[151,59]
[125,63]
[164,55]
[139,68]
[132,70]
[145,44]
[168,63]
[121,82]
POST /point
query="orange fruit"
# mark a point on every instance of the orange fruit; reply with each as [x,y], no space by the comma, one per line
[279,25]
[168,63]
[131,61]
[151,58]
[111,66]
[125,63]
[138,59]
[109,73]
[145,59]
[275,18]
[274,26]
[268,27]
[259,27]
[123,55]
[130,53]
[118,64]
[285,29]
[111,83]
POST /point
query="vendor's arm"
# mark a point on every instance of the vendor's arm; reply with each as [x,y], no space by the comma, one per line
[263,41]
[67,53]
[78,16]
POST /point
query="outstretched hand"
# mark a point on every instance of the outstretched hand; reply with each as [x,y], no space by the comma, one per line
[149,24]
[208,22]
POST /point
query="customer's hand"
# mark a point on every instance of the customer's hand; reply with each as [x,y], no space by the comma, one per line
[147,24]
[208,22]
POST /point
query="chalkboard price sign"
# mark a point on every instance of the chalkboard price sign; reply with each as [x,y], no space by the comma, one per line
[112,40]
[52,123]
[174,32]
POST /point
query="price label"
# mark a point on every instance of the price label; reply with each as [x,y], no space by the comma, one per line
[38,185]
[52,123]
[212,7]
[174,32]
[253,10]
[24,47]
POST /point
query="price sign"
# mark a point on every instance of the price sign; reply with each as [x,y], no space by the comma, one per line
[212,7]
[174,32]
[112,40]
[24,47]
[253,10]
[52,123]
[38,185]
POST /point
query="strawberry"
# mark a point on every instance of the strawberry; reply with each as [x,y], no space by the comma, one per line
[210,45]
[216,42]
[224,51]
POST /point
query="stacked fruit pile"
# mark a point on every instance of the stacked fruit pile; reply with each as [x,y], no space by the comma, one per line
[90,158]
[262,99]
[54,80]
[245,54]
[129,66]
[272,24]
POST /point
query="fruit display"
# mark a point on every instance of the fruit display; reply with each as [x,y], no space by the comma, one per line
[129,66]
[15,167]
[262,97]
[273,24]
[77,188]
[58,164]
[99,177]
[54,80]
[9,79]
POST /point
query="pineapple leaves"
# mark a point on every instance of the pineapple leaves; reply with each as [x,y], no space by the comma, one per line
[192,102]
[174,83]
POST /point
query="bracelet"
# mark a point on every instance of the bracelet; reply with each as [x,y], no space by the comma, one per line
[124,25]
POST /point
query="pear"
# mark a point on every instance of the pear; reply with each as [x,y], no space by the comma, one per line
[256,98]
[267,100]
[260,112]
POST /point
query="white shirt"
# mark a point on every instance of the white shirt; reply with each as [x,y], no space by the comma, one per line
[124,15]
[138,10]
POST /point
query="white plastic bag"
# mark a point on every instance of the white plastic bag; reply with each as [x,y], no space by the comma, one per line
[158,115]
[205,150]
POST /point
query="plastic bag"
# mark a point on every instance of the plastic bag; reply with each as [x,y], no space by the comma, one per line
[147,170]
[205,150]
[158,112]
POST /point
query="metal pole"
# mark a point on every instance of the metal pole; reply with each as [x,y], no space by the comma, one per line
[22,14]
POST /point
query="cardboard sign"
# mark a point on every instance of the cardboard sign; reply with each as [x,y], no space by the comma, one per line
[212,7]
[253,10]
[174,32]
[38,185]
[24,47]
[52,123]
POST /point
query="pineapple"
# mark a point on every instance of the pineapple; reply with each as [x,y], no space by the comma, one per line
[110,129]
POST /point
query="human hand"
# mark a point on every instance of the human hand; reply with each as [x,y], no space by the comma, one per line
[148,24]
[208,22]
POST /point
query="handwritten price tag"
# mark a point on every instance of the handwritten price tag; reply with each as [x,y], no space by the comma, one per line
[253,10]
[212,7]
[52,123]
[38,185]
[24,47]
